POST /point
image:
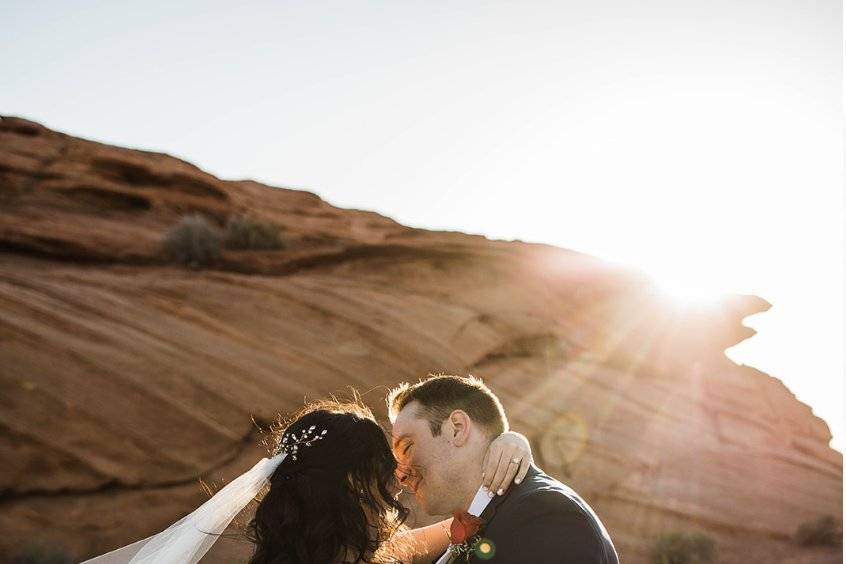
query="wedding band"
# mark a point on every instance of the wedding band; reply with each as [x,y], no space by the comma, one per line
[515,460]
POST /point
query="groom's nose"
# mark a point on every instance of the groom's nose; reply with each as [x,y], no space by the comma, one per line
[402,476]
[407,477]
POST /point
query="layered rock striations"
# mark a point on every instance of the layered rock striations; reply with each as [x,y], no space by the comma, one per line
[127,379]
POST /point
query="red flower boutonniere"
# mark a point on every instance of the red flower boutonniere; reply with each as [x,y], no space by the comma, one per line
[465,540]
[464,525]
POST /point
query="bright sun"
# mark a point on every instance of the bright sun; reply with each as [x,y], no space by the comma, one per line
[687,290]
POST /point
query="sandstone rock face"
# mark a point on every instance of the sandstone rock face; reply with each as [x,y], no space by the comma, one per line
[126,379]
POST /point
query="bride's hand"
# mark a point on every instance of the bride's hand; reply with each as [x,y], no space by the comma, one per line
[499,467]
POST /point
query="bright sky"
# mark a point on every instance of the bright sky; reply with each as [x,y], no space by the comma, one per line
[700,141]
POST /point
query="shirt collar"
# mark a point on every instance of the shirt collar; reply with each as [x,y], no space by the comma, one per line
[480,501]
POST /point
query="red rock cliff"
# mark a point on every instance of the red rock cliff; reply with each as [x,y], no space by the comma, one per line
[126,379]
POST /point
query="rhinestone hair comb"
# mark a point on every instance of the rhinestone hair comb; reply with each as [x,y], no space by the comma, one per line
[291,442]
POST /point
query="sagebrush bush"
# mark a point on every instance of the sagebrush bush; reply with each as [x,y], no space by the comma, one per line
[193,242]
[684,548]
[820,531]
[42,552]
[245,232]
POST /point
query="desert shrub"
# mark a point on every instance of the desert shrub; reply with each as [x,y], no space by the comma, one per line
[41,552]
[684,548]
[820,531]
[245,232]
[193,241]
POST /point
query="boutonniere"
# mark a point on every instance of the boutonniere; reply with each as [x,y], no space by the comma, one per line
[465,539]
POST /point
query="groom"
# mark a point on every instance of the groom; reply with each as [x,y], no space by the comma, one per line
[442,427]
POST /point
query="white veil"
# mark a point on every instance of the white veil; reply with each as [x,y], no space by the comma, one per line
[187,540]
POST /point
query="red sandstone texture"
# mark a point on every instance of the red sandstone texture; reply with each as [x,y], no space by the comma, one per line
[127,379]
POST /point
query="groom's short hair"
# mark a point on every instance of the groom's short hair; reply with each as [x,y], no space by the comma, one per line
[440,395]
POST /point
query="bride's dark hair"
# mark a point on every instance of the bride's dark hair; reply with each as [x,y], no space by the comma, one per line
[335,502]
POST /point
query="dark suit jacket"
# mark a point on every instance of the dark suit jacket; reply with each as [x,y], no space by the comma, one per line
[542,521]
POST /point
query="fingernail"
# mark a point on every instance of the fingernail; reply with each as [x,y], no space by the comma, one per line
[490,494]
[517,481]
[499,491]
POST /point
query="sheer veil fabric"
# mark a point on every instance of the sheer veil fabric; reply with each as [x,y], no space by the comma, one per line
[187,540]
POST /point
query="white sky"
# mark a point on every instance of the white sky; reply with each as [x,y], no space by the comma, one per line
[700,141]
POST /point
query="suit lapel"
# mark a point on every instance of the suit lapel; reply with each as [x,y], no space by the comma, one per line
[491,510]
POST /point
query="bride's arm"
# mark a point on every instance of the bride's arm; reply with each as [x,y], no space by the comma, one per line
[425,544]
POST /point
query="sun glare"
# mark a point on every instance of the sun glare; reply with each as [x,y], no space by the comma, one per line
[687,291]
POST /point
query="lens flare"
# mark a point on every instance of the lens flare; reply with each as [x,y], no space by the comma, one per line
[485,549]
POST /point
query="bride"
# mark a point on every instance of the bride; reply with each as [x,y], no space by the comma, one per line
[331,498]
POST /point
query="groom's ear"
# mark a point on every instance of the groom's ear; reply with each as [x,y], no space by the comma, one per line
[458,427]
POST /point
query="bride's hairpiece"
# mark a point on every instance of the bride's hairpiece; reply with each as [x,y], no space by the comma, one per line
[291,442]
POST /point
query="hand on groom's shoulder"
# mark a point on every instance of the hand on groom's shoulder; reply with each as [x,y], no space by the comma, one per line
[543,522]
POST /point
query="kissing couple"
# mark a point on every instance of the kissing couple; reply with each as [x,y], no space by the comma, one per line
[334,478]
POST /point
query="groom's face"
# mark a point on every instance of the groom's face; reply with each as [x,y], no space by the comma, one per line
[426,462]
